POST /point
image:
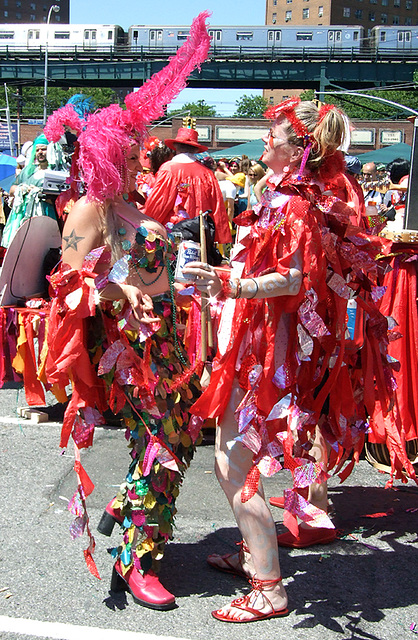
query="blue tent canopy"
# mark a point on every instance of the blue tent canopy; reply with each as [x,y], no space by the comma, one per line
[254,150]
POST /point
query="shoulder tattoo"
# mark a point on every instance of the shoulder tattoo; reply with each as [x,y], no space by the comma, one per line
[72,240]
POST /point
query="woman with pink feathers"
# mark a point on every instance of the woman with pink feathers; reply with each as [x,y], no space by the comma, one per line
[113,331]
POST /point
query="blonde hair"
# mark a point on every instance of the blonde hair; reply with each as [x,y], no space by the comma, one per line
[258,170]
[327,133]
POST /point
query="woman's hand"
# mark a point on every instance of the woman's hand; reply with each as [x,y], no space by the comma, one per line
[206,279]
[141,304]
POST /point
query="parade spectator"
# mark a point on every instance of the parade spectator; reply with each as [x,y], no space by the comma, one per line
[370,183]
[283,378]
[255,173]
[28,198]
[394,201]
[184,187]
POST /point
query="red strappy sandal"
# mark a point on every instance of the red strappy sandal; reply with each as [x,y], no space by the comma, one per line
[229,568]
[243,603]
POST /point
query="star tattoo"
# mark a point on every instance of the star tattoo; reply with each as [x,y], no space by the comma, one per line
[72,240]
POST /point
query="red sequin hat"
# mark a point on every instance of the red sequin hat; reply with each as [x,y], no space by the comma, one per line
[186,136]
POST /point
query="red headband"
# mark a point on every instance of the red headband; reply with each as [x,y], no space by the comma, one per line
[287,109]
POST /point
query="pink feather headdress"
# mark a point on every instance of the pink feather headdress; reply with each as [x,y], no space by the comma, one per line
[108,133]
[65,116]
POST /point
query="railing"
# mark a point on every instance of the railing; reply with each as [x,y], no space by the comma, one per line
[216,54]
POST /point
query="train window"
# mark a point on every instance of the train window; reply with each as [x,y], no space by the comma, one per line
[215,35]
[62,35]
[7,35]
[278,35]
[135,34]
[33,34]
[110,35]
[383,36]
[244,35]
[356,35]
[182,35]
[271,35]
[304,35]
[334,36]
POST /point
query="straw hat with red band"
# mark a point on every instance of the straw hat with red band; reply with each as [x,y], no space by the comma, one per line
[186,136]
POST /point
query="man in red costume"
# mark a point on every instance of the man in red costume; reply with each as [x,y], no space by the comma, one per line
[184,187]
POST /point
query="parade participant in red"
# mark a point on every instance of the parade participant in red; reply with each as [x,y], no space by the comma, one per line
[184,187]
[286,369]
[113,332]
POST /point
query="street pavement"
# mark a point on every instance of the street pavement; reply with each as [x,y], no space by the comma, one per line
[362,587]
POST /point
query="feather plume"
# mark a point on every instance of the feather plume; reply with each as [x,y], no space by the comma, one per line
[147,104]
[55,125]
[103,147]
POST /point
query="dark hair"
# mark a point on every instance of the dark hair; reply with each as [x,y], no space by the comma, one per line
[398,168]
[159,154]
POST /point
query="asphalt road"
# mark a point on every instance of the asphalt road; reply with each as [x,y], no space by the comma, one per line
[361,587]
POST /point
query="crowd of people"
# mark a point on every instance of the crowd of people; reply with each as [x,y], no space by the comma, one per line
[295,379]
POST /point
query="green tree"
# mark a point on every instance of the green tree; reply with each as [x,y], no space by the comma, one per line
[31,101]
[250,107]
[194,110]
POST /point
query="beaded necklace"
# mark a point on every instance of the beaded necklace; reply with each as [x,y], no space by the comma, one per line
[127,246]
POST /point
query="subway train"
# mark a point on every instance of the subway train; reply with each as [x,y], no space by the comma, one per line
[66,38]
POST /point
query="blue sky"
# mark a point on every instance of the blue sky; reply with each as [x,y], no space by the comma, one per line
[180,12]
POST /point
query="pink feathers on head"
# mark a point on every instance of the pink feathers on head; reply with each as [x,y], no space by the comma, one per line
[103,147]
[56,122]
[149,101]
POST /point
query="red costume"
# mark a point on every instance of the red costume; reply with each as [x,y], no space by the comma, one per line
[183,188]
[294,354]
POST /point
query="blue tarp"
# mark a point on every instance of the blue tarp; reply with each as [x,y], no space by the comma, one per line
[7,171]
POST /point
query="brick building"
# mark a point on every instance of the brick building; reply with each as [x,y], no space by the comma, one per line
[36,11]
[365,13]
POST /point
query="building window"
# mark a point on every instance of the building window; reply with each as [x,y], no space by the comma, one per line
[6,3]
[33,6]
[274,18]
[18,4]
[395,20]
[305,14]
[32,17]
[18,16]
[6,14]
[57,18]
[320,12]
[408,4]
[408,22]
[384,18]
[271,100]
[359,14]
[373,1]
[346,12]
[396,3]
[274,3]
[385,3]
[288,16]
[372,16]
[288,1]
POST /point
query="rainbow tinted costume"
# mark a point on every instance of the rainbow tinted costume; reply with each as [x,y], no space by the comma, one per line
[141,374]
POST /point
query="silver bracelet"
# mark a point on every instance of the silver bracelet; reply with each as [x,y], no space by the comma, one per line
[256,291]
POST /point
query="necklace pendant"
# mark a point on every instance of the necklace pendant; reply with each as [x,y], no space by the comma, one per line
[121,231]
[126,245]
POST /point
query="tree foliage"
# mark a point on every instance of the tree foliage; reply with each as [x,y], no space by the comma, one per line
[194,110]
[366,109]
[250,107]
[30,101]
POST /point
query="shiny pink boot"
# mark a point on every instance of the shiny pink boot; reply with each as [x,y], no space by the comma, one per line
[146,589]
[109,518]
